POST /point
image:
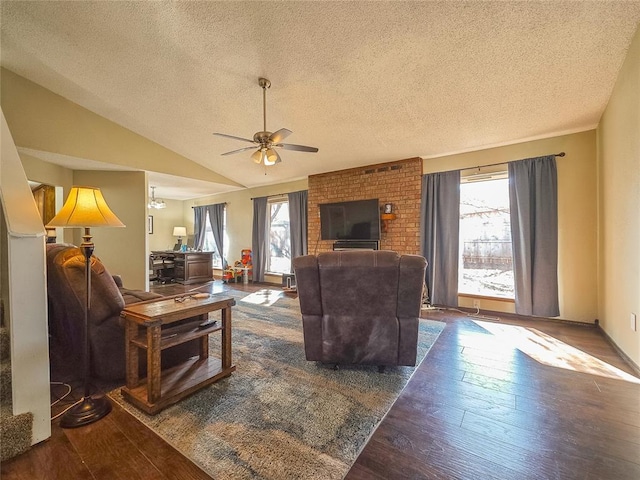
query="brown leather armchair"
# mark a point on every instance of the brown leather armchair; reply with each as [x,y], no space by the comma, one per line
[360,307]
[66,290]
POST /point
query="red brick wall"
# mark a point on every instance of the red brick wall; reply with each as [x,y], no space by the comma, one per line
[398,183]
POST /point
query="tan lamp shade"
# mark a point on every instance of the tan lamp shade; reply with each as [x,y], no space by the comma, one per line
[179,231]
[85,207]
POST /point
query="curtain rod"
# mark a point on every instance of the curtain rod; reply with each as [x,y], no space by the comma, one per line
[209,204]
[277,195]
[561,154]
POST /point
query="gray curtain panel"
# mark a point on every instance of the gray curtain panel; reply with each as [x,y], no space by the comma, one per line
[533,198]
[439,235]
[216,218]
[298,224]
[199,226]
[260,238]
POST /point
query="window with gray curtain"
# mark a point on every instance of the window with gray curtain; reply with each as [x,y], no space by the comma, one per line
[439,235]
[260,237]
[533,198]
[216,220]
[199,226]
[298,223]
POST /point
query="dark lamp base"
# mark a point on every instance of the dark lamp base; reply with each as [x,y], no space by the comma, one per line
[90,410]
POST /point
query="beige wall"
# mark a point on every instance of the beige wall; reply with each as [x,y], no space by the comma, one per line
[48,173]
[122,250]
[619,207]
[163,222]
[43,121]
[576,215]
[240,214]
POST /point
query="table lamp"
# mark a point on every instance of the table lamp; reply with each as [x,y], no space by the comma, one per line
[179,232]
[85,208]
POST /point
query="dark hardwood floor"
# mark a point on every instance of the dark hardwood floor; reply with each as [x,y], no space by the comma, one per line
[507,399]
[511,399]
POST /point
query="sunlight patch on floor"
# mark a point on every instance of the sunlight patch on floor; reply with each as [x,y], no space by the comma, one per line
[553,352]
[266,297]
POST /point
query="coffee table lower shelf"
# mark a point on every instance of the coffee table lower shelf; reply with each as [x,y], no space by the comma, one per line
[178,382]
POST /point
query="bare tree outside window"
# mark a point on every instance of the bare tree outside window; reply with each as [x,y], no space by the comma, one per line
[279,260]
[486,263]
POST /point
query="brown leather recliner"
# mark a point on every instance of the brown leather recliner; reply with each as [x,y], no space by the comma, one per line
[66,290]
[360,307]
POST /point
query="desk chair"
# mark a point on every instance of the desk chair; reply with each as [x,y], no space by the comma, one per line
[160,269]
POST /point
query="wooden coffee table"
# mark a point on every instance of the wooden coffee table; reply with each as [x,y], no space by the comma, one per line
[155,318]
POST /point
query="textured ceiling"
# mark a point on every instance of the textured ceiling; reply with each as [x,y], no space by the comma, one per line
[365,82]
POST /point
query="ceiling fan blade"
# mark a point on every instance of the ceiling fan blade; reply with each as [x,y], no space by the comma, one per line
[277,137]
[238,150]
[257,156]
[234,137]
[299,148]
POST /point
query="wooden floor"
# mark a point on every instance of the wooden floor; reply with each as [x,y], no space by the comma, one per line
[511,400]
[508,399]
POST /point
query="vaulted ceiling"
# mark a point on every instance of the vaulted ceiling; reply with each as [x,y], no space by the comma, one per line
[365,82]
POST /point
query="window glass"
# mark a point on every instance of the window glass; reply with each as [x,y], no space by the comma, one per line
[486,262]
[279,259]
[210,243]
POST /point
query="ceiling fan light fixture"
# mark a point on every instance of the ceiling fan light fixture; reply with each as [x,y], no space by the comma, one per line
[271,157]
[257,156]
[266,161]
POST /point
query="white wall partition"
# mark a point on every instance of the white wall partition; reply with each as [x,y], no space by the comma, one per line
[24,290]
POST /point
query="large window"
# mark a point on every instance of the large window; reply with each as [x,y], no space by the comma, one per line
[210,243]
[279,258]
[486,263]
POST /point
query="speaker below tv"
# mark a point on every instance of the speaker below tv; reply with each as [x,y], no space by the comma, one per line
[356,245]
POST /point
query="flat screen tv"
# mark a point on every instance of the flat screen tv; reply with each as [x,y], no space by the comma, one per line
[355,220]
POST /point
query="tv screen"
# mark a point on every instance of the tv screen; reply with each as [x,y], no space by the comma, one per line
[356,220]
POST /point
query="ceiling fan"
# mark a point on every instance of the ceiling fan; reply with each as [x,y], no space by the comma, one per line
[266,141]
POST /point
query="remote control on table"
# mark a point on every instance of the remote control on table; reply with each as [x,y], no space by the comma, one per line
[207,323]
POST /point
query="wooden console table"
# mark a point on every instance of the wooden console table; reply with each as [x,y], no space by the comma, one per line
[164,388]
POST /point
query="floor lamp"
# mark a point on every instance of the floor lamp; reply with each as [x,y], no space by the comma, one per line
[85,208]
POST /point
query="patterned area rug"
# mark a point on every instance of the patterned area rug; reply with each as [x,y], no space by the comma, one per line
[279,416]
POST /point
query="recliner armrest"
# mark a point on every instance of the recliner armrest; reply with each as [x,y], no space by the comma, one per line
[308,283]
[412,275]
[135,296]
